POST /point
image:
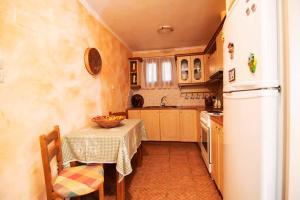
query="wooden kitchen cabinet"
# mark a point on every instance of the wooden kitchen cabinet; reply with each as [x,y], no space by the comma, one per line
[151,122]
[169,125]
[184,69]
[221,159]
[215,59]
[135,72]
[217,155]
[134,114]
[188,126]
[214,137]
[190,69]
[197,67]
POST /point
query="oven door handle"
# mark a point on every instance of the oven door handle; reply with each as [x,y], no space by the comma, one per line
[204,126]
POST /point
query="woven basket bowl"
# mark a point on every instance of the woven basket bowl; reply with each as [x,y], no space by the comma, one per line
[105,123]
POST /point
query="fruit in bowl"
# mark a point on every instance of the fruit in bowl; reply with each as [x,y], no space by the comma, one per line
[108,121]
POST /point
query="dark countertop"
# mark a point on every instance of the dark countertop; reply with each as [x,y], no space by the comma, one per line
[198,108]
[217,119]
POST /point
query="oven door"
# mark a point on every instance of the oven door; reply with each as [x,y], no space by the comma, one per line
[205,144]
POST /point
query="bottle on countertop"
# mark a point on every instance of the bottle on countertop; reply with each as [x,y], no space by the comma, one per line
[215,102]
[219,103]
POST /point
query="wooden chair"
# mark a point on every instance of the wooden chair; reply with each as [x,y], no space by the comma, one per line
[119,114]
[70,181]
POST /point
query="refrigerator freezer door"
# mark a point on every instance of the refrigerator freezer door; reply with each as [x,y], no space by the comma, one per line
[256,33]
[250,143]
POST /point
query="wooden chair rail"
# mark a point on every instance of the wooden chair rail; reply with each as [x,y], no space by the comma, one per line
[51,136]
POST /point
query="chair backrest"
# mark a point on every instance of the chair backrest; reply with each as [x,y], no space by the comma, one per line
[119,114]
[50,149]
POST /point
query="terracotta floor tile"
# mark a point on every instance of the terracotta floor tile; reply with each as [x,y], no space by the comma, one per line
[180,171]
[170,171]
[150,194]
[155,149]
[178,158]
[178,151]
[156,159]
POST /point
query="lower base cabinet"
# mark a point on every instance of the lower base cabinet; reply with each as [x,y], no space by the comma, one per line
[134,114]
[217,155]
[189,125]
[169,125]
[151,122]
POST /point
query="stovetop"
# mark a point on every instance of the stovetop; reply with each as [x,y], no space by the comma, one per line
[205,115]
[213,110]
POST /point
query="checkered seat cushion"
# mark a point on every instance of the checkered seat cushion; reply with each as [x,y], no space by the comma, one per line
[77,181]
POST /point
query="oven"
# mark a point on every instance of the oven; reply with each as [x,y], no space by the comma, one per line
[205,141]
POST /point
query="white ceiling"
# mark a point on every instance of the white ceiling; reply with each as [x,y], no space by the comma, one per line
[136,22]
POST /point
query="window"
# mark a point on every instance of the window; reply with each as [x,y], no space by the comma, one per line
[151,72]
[166,71]
[159,73]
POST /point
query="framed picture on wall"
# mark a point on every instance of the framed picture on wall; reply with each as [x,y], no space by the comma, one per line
[231,75]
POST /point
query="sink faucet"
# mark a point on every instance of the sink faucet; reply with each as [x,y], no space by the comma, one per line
[163,101]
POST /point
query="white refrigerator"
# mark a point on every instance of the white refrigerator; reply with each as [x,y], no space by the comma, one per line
[251,97]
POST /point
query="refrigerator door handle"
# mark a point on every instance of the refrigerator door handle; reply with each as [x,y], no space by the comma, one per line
[253,93]
[254,89]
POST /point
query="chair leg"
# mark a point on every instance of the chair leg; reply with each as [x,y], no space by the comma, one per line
[101,191]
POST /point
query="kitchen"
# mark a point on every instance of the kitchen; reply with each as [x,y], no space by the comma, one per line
[194,64]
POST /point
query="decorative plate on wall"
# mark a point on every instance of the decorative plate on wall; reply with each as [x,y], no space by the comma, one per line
[92,61]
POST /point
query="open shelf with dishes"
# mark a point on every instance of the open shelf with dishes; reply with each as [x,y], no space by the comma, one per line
[135,72]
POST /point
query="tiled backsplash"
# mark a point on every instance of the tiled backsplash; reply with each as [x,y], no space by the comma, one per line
[174,97]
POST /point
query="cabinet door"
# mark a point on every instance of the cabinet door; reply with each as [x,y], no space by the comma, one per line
[214,134]
[206,68]
[197,67]
[212,63]
[151,122]
[188,125]
[220,161]
[184,69]
[219,52]
[134,114]
[135,73]
[169,125]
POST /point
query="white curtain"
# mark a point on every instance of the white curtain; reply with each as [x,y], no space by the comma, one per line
[149,71]
[159,73]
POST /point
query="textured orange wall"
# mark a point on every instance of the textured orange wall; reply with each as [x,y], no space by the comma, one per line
[41,53]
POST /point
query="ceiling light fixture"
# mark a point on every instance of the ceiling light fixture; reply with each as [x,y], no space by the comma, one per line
[165,29]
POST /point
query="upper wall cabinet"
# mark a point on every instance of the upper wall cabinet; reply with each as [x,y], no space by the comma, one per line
[135,72]
[215,59]
[184,69]
[190,69]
